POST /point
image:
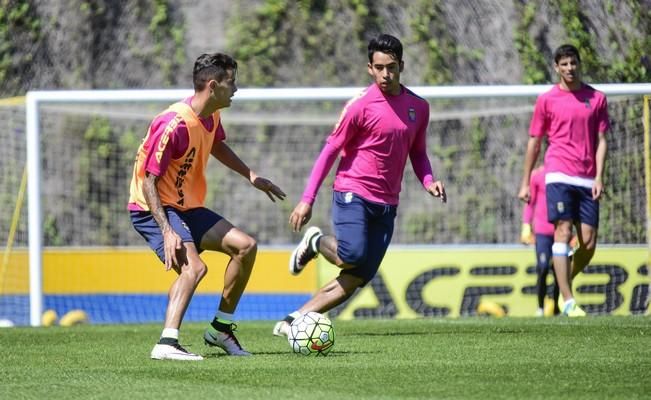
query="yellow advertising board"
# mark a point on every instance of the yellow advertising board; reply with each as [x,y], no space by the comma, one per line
[426,281]
[453,281]
[138,270]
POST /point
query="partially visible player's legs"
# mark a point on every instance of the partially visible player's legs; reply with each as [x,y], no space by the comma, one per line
[543,260]
[332,294]
[563,207]
[363,233]
[587,227]
[356,250]
[242,249]
[555,295]
[363,258]
[191,271]
[587,245]
[562,236]
[349,217]
[329,296]
[541,286]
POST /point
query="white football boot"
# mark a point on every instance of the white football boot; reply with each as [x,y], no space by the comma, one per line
[173,352]
[304,252]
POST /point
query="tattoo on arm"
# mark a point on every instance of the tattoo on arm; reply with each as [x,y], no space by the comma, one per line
[153,201]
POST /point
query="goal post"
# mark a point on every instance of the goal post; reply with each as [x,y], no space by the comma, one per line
[646,115]
[35,100]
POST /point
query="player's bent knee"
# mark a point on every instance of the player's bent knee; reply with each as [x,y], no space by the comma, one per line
[244,246]
[563,233]
[589,242]
[196,271]
[354,257]
[251,247]
[590,246]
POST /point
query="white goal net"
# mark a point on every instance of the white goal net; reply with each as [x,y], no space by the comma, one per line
[83,146]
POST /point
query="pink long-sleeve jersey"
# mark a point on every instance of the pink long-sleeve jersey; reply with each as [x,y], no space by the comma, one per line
[535,212]
[375,134]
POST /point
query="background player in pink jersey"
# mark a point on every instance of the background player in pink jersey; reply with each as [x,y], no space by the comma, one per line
[166,203]
[574,117]
[542,235]
[376,133]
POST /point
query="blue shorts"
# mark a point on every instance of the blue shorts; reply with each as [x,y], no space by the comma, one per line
[190,225]
[571,203]
[363,230]
[543,251]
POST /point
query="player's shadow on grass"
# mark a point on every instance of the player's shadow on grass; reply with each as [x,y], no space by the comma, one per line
[393,333]
[334,353]
[257,353]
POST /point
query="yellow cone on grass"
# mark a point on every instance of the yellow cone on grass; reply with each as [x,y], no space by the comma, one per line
[490,308]
[74,317]
[49,318]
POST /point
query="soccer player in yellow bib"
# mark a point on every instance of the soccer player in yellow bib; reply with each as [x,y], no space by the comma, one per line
[166,204]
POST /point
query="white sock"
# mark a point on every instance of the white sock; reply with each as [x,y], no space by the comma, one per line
[295,314]
[170,333]
[568,303]
[223,317]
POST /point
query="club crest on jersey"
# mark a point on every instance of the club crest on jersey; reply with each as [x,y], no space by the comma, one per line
[412,114]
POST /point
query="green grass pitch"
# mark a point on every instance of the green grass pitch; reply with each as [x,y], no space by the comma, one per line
[482,358]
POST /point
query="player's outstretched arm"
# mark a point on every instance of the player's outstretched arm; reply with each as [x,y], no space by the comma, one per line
[227,156]
[303,210]
[268,187]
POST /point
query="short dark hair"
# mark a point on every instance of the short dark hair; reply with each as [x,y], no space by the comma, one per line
[212,66]
[566,50]
[386,44]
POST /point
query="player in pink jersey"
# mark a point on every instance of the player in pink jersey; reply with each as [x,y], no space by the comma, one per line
[574,117]
[166,203]
[376,133]
[535,213]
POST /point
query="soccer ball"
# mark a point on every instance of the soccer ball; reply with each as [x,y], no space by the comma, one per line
[311,334]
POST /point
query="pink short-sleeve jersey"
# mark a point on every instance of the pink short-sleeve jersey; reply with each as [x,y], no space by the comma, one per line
[178,140]
[374,136]
[572,121]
